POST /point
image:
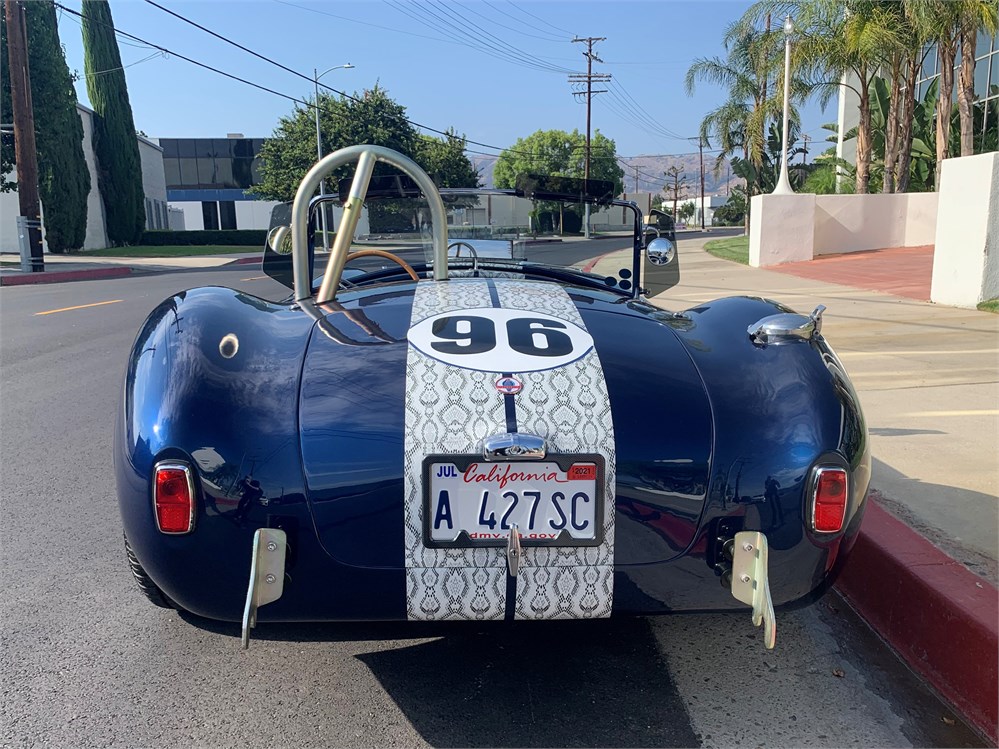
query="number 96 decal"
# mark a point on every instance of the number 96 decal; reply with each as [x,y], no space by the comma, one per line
[500,340]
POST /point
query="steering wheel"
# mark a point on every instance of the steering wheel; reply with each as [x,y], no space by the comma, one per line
[388,256]
[365,156]
[457,245]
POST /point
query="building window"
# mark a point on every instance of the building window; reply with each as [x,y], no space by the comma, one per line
[227,214]
[171,171]
[188,172]
[210,213]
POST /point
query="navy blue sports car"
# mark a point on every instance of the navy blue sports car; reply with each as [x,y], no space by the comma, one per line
[456,419]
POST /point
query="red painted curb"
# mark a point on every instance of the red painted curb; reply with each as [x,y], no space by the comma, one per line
[55,276]
[939,616]
[589,266]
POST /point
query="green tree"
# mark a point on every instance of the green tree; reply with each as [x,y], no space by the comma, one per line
[676,185]
[372,118]
[63,177]
[445,161]
[119,169]
[765,175]
[974,16]
[734,211]
[7,161]
[834,38]
[559,153]
[754,56]
[740,123]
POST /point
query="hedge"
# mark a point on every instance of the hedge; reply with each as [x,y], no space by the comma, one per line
[227,237]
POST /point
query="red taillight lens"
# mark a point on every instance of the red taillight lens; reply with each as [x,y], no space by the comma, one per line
[173,498]
[829,502]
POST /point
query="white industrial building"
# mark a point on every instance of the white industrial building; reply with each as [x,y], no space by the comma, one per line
[153,185]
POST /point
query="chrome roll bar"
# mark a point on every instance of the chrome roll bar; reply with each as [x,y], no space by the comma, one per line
[366,156]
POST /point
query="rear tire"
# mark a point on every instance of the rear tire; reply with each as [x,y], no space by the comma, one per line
[149,589]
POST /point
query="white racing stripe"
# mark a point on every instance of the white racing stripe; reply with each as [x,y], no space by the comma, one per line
[449,410]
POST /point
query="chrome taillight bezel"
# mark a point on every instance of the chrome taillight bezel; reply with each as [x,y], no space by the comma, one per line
[817,474]
[175,465]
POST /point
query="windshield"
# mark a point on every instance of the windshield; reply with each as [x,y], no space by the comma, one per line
[490,230]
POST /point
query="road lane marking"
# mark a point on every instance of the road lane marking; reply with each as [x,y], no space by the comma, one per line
[79,306]
[981,412]
[254,278]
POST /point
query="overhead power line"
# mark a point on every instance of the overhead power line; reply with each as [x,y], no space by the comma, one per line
[297,100]
[537,18]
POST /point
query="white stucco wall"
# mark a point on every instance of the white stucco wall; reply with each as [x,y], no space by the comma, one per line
[254,214]
[791,228]
[782,229]
[9,211]
[194,219]
[966,258]
[175,219]
[97,236]
[153,183]
[153,176]
[852,223]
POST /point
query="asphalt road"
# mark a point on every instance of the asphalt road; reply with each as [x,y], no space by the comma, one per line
[86,661]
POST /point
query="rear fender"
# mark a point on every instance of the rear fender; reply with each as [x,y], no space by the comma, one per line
[212,379]
[778,411]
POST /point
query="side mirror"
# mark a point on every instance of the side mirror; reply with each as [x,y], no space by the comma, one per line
[277,262]
[660,266]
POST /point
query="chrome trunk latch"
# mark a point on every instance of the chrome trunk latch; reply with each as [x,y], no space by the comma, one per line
[513,446]
[787,326]
[270,547]
[513,551]
[750,581]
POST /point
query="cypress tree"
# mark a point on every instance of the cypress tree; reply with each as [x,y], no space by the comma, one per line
[119,169]
[63,178]
[7,162]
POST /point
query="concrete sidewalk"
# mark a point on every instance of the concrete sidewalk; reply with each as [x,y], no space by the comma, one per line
[72,267]
[928,380]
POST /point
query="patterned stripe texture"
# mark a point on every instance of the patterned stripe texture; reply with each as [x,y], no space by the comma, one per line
[450,410]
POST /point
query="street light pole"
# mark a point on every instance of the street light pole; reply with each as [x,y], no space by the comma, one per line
[321,222]
[783,182]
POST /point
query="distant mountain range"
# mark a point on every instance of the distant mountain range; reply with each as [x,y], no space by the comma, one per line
[651,173]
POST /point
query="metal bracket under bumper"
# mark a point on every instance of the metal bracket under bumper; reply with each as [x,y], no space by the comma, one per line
[270,547]
[750,583]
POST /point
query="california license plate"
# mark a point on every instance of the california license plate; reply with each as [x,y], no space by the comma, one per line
[471,502]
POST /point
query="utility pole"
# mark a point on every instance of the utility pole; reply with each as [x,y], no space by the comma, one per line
[589,77]
[804,151]
[29,222]
[700,147]
[636,178]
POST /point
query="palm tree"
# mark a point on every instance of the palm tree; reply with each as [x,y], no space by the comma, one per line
[740,123]
[973,16]
[834,39]
[948,23]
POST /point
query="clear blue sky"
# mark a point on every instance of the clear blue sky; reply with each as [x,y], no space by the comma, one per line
[419,51]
